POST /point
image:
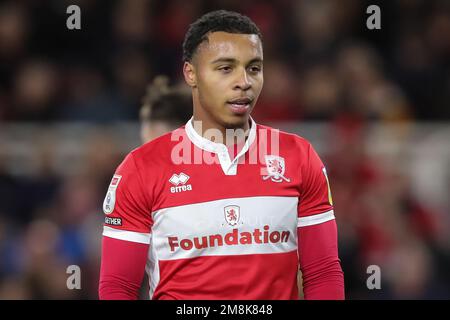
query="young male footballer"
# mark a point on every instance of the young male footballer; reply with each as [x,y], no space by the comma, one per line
[221,208]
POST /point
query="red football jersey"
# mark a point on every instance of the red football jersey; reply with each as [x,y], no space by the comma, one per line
[219,228]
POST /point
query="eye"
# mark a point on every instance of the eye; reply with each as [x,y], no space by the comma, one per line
[225,69]
[255,69]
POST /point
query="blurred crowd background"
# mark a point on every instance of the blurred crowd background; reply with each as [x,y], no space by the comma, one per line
[374,103]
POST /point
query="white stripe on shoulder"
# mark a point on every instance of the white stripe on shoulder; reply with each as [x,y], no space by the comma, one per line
[315,219]
[126,235]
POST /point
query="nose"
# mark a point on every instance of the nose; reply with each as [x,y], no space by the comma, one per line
[243,81]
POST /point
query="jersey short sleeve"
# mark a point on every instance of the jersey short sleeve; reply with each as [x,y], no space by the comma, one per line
[126,205]
[315,204]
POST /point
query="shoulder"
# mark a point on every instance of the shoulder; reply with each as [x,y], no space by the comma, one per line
[286,140]
[155,152]
[158,145]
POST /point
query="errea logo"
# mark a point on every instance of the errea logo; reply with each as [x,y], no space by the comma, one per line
[179,182]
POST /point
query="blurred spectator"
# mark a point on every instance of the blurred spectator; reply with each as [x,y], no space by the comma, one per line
[164,108]
[35,90]
[278,99]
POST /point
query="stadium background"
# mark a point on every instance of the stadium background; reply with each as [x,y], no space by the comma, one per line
[375,104]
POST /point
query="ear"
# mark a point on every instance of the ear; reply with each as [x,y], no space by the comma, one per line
[189,74]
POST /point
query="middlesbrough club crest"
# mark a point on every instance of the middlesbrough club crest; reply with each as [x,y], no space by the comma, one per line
[275,169]
[232,215]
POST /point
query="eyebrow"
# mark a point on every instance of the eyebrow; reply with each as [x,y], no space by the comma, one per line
[232,60]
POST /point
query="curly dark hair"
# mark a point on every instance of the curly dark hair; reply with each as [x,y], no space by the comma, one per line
[214,21]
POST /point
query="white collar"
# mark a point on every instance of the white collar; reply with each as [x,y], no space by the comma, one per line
[228,166]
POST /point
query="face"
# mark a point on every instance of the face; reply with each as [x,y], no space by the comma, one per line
[226,75]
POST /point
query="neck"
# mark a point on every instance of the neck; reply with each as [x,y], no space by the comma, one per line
[214,131]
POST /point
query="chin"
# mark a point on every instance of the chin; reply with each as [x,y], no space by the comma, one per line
[235,122]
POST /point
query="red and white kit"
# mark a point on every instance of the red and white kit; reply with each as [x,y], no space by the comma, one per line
[213,227]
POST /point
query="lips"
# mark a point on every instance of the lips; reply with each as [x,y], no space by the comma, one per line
[241,101]
[240,105]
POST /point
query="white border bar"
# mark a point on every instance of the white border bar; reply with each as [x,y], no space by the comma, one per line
[126,235]
[315,219]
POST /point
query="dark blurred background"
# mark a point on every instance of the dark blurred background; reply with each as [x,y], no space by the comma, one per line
[374,103]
